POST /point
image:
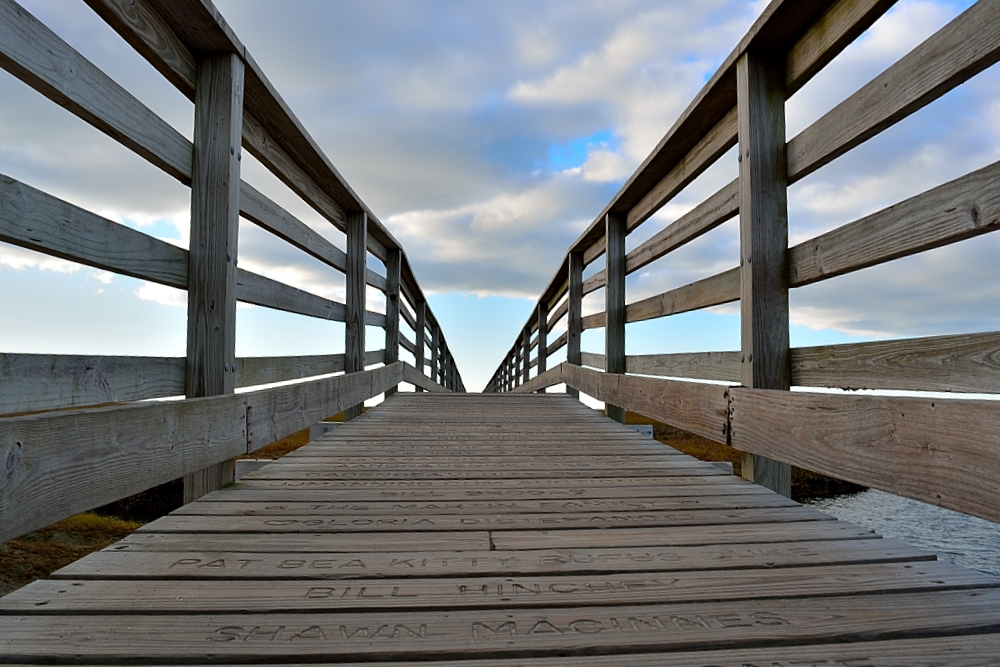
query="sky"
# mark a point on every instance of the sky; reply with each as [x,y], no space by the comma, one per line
[486,137]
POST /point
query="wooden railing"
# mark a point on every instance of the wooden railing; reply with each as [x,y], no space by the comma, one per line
[56,464]
[943,451]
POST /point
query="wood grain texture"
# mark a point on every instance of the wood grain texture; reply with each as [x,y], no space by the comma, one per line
[712,291]
[595,361]
[557,314]
[273,414]
[558,343]
[393,274]
[969,363]
[354,322]
[764,323]
[420,336]
[961,209]
[263,212]
[954,54]
[145,31]
[256,289]
[938,451]
[32,219]
[709,148]
[703,218]
[210,368]
[418,379]
[698,408]
[574,323]
[115,452]
[36,382]
[543,380]
[614,304]
[37,56]
[435,353]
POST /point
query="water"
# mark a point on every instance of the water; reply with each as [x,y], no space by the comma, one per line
[961,539]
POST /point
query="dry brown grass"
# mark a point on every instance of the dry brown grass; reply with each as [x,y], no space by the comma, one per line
[36,555]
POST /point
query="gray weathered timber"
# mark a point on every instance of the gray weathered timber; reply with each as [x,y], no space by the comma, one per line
[37,56]
[958,210]
[543,335]
[557,314]
[543,380]
[418,379]
[614,303]
[968,363]
[256,289]
[764,351]
[215,219]
[435,353]
[36,382]
[115,452]
[959,51]
[699,408]
[525,354]
[252,371]
[596,361]
[939,451]
[712,291]
[574,322]
[354,329]
[558,343]
[709,148]
[420,337]
[393,273]
[32,219]
[702,219]
[273,414]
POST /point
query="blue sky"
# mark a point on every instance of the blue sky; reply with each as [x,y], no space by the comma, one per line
[487,136]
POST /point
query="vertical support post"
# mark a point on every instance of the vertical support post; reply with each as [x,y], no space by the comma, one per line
[435,353]
[614,303]
[574,315]
[763,244]
[543,335]
[393,274]
[421,337]
[354,329]
[215,222]
[526,346]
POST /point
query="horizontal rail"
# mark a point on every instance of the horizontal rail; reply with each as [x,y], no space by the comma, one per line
[957,363]
[119,451]
[40,382]
[418,379]
[940,451]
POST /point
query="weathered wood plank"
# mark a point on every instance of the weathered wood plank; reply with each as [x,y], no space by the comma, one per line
[38,57]
[713,291]
[354,313]
[702,219]
[210,368]
[132,565]
[367,595]
[32,219]
[939,451]
[259,290]
[418,379]
[695,407]
[968,363]
[764,323]
[276,413]
[374,542]
[614,304]
[543,380]
[954,54]
[115,452]
[958,210]
[492,633]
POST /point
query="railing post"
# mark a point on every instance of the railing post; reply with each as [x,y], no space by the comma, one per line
[420,340]
[574,315]
[763,244]
[526,361]
[435,352]
[543,335]
[614,303]
[354,329]
[393,274]
[215,221]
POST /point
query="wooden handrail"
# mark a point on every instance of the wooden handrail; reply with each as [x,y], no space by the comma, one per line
[743,103]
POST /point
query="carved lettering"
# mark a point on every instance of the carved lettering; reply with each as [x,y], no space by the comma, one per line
[479,628]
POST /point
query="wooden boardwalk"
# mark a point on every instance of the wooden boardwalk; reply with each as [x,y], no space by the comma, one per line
[502,530]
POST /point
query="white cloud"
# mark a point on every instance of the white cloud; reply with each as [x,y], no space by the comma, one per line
[167,296]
